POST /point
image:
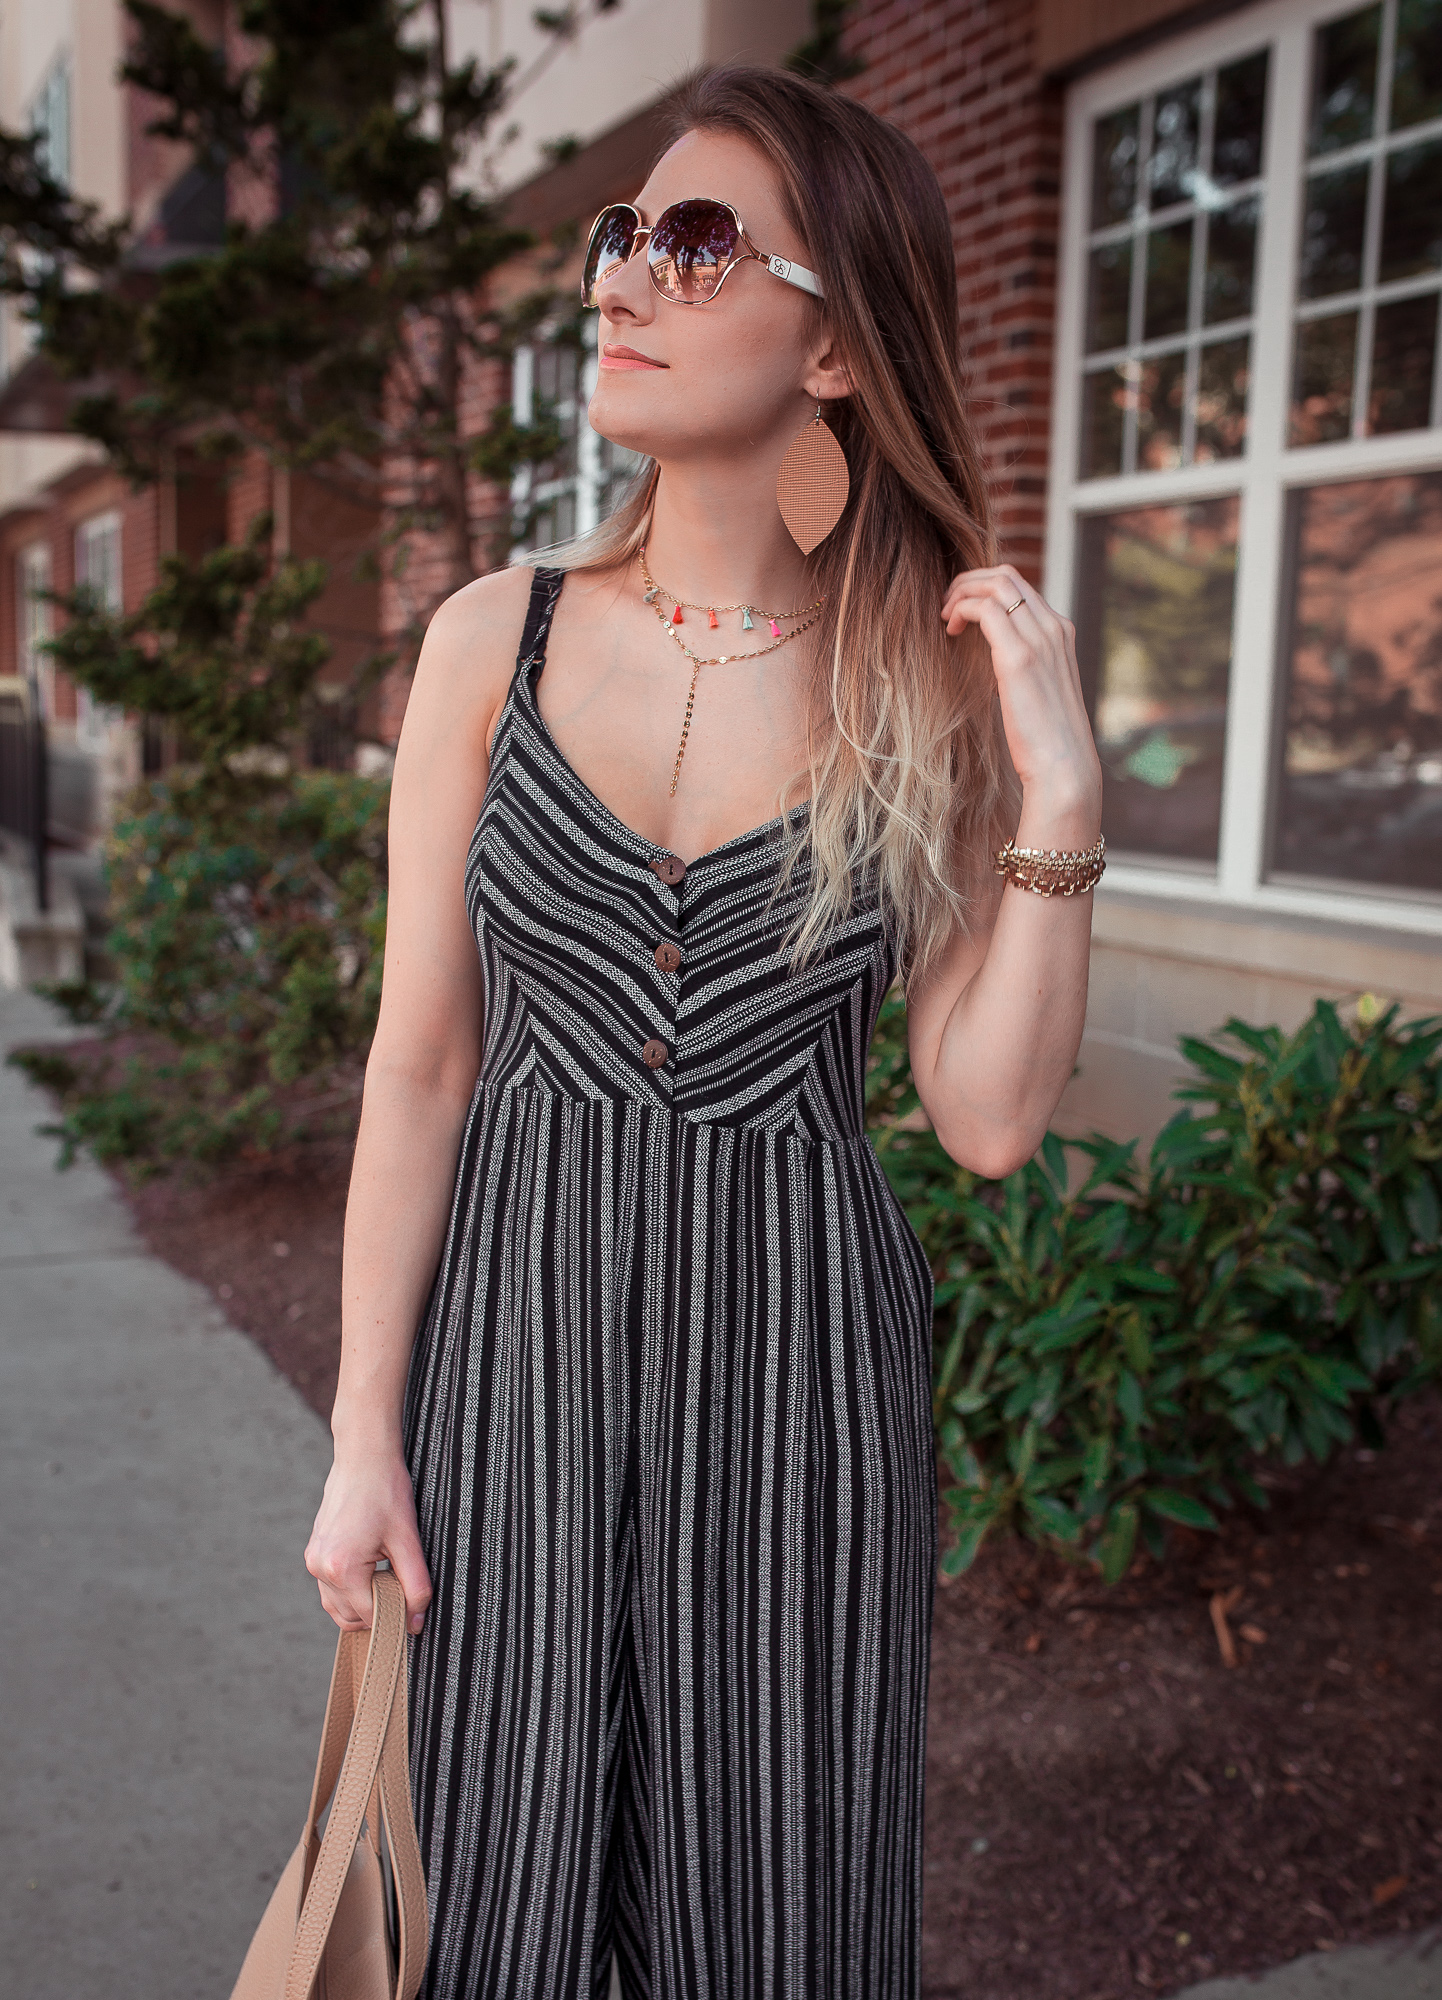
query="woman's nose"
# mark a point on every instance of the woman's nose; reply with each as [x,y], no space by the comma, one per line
[626,293]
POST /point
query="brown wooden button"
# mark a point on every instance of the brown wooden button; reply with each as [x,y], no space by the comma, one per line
[668,956]
[654,1054]
[670,867]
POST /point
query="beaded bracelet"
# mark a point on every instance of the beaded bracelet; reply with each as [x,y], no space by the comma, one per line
[1053,871]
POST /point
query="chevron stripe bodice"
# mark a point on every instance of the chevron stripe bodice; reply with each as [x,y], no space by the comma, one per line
[574,923]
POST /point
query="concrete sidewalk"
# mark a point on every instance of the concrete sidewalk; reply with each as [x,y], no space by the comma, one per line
[164,1658]
[163,1655]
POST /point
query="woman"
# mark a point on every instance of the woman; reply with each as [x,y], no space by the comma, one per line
[661,1448]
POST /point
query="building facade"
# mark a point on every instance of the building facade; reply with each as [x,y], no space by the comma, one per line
[1199,254]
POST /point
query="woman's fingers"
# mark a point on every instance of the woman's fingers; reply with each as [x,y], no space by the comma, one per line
[347,1599]
[970,593]
[410,1568]
[367,1515]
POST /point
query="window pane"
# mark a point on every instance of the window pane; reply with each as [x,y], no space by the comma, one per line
[1322,379]
[1417,66]
[1360,793]
[1231,257]
[1114,166]
[1109,283]
[1161,391]
[1155,639]
[1412,224]
[1169,277]
[1344,80]
[1241,103]
[1104,402]
[1332,233]
[1222,400]
[1403,345]
[1175,129]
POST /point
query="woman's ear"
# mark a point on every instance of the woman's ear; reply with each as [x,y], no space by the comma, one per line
[829,377]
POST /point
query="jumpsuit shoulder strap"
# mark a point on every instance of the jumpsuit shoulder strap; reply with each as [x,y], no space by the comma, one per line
[545,589]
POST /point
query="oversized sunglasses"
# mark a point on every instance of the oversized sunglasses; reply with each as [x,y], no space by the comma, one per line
[690,249]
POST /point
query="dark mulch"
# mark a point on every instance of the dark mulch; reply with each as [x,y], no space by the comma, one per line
[1111,1810]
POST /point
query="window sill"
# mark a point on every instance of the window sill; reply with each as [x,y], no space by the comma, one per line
[1336,953]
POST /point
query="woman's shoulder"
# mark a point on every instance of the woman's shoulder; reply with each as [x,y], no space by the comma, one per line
[486,614]
[468,657]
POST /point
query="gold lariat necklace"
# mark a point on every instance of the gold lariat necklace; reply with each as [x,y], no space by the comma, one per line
[808,615]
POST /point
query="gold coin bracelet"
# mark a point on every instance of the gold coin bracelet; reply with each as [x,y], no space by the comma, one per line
[1053,871]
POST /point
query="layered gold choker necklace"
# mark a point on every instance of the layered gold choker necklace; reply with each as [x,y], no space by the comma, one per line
[808,614]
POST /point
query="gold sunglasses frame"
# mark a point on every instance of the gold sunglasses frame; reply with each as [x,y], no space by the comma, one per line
[779,267]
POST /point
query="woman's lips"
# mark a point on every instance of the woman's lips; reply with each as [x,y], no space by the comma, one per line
[626,357]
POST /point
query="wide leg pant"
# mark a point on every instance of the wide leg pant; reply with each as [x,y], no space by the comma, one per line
[669,1423]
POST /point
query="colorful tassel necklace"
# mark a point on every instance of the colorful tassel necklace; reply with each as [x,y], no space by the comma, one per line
[653,596]
[655,593]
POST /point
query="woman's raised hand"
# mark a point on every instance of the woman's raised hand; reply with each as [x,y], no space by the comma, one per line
[1033,654]
[368,1511]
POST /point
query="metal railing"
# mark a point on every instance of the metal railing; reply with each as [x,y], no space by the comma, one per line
[24,786]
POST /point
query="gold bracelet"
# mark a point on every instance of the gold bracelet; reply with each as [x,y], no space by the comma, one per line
[1053,871]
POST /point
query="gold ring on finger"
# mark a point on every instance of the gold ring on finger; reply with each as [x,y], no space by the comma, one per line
[1012,607]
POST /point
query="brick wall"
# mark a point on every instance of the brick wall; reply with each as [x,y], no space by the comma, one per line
[960,78]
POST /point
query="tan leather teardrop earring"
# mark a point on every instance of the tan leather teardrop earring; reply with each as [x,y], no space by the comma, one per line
[812,484]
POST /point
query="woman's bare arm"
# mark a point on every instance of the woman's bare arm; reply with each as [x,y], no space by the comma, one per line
[419,1081]
[994,1027]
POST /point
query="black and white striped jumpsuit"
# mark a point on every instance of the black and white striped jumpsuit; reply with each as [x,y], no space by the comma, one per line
[669,1422]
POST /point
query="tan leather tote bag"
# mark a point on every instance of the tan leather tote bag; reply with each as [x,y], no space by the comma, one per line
[328,1932]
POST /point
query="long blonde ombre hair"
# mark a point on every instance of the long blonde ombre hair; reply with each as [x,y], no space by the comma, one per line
[909,778]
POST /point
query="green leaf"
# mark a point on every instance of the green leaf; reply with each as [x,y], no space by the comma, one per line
[1142,1279]
[1052,1331]
[1097,1460]
[1424,1212]
[963,1552]
[1115,1545]
[1129,1399]
[1052,1517]
[1174,1506]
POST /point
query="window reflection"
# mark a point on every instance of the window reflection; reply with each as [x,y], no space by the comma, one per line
[1175,213]
[1114,166]
[1412,230]
[1322,379]
[1332,233]
[1417,65]
[1344,80]
[1359,794]
[1241,100]
[1231,259]
[1404,343]
[1176,125]
[1109,286]
[1154,633]
[1372,227]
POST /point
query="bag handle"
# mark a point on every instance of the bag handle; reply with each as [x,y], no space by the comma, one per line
[363,1752]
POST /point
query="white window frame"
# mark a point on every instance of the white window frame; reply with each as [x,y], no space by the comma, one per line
[587,484]
[583,485]
[1264,477]
[51,118]
[34,623]
[95,721]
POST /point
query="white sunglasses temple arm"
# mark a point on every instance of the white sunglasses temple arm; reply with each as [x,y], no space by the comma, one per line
[796,274]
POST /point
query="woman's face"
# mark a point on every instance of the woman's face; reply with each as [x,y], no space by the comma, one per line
[722,379]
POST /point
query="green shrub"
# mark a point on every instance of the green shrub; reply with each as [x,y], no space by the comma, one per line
[1128,1352]
[248,933]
